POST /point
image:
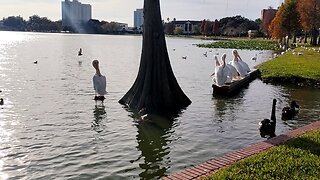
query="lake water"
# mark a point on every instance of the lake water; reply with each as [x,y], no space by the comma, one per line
[50,128]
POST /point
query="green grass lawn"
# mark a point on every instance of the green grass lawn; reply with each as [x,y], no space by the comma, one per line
[297,159]
[289,65]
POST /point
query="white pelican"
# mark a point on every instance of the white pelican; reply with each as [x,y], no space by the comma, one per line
[235,63]
[99,82]
[219,73]
[243,64]
[230,71]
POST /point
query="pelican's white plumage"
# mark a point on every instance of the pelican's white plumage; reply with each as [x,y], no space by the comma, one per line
[244,65]
[235,62]
[220,76]
[239,59]
[99,84]
[99,80]
[238,67]
[233,71]
[230,71]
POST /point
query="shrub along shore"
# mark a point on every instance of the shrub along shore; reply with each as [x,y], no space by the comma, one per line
[298,158]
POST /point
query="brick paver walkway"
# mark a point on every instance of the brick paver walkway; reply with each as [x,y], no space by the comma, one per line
[209,167]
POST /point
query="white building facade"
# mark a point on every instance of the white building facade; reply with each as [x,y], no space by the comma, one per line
[75,13]
[138,19]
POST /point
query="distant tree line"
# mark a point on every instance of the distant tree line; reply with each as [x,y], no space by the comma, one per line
[36,23]
[297,18]
[228,26]
[103,27]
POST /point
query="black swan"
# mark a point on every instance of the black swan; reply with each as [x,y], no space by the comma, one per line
[268,126]
[290,112]
[1,101]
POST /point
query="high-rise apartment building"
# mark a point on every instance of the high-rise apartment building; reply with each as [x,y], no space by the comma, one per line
[138,19]
[75,13]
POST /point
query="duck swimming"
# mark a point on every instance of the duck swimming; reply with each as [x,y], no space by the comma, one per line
[254,58]
[290,112]
[1,102]
[80,52]
[268,126]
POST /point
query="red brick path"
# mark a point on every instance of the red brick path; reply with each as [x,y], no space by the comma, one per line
[209,167]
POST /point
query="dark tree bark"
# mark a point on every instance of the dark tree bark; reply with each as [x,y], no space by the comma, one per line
[314,35]
[294,39]
[305,38]
[155,90]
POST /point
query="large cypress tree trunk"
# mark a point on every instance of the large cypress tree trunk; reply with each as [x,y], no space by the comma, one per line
[155,89]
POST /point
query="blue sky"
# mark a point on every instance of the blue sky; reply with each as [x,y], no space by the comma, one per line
[122,10]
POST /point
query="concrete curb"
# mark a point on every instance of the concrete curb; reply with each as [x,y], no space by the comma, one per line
[211,166]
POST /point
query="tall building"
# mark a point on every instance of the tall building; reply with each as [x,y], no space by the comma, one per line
[138,19]
[75,13]
[267,16]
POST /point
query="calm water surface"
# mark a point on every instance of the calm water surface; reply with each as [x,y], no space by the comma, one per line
[50,128]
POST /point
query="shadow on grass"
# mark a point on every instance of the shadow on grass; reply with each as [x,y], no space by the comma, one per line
[302,143]
[305,144]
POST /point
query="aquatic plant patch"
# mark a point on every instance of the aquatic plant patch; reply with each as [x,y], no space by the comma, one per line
[251,44]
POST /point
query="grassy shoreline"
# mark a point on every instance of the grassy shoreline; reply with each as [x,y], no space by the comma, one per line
[300,66]
[298,158]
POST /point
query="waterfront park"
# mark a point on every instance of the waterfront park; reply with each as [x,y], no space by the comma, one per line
[297,64]
[161,118]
